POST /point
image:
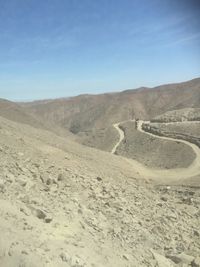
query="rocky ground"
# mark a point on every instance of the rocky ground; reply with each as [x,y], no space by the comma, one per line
[62,204]
[104,138]
[189,128]
[153,152]
[186,114]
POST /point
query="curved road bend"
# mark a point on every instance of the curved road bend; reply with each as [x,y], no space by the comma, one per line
[153,173]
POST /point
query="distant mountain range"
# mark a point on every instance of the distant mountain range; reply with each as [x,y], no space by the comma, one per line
[86,112]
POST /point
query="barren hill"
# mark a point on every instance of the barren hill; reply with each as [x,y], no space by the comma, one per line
[186,114]
[154,152]
[64,204]
[86,112]
[15,112]
[90,117]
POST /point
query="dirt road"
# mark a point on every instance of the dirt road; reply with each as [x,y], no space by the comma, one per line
[162,174]
[121,137]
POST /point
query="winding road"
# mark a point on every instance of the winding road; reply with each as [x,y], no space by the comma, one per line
[121,137]
[169,174]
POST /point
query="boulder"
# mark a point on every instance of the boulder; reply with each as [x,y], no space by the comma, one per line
[181,258]
[161,260]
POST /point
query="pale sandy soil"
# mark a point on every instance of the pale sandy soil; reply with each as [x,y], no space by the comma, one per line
[67,205]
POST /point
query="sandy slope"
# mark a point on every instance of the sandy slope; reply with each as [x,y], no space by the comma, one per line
[157,174]
[67,205]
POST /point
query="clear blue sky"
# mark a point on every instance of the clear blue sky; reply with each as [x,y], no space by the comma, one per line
[56,48]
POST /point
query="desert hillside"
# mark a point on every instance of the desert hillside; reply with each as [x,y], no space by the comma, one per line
[99,133]
[180,115]
[14,112]
[63,204]
[134,204]
[154,152]
[86,112]
[89,117]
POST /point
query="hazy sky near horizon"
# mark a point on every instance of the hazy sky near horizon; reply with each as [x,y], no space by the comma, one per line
[57,48]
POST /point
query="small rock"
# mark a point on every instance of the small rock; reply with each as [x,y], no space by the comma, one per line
[10,252]
[187,200]
[24,252]
[48,181]
[191,193]
[48,219]
[196,233]
[117,230]
[163,198]
[40,214]
[37,165]
[10,177]
[44,178]
[25,210]
[196,262]
[24,198]
[2,186]
[77,262]
[161,260]
[22,180]
[46,189]
[60,177]
[65,257]
[180,258]
[99,179]
[126,257]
